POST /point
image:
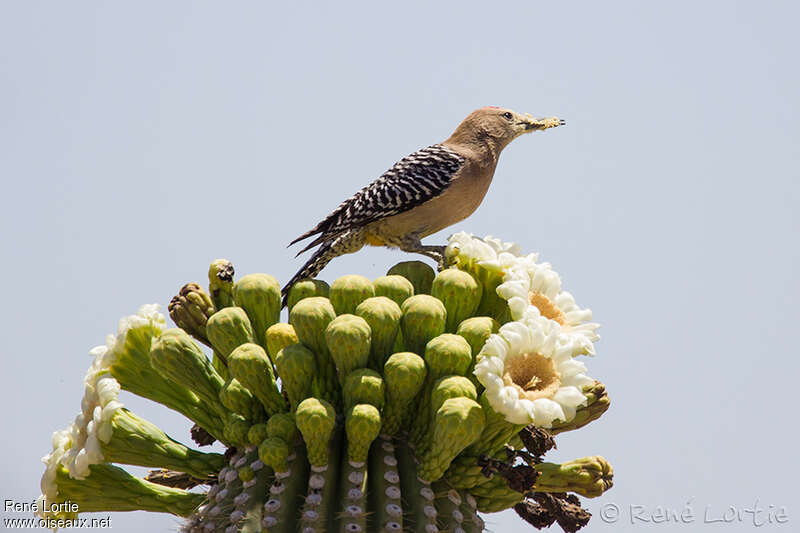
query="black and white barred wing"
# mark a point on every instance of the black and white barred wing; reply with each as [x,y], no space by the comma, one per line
[412,181]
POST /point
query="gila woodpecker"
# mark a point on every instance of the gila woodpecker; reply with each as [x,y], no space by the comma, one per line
[424,192]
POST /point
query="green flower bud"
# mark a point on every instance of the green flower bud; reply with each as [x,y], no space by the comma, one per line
[491,303]
[250,365]
[175,356]
[256,434]
[441,390]
[423,319]
[396,288]
[220,283]
[418,273]
[282,425]
[588,476]
[362,425]
[457,424]
[363,386]
[306,289]
[239,400]
[274,452]
[278,337]
[316,419]
[310,317]
[246,474]
[229,328]
[296,367]
[459,292]
[404,374]
[236,429]
[260,296]
[190,309]
[447,354]
[451,387]
[383,316]
[349,291]
[597,403]
[348,338]
[476,331]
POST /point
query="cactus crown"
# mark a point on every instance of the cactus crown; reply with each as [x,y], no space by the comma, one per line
[399,404]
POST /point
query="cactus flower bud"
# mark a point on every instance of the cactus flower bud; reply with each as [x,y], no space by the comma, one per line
[282,425]
[451,387]
[447,354]
[457,424]
[597,403]
[296,366]
[316,419]
[190,309]
[396,288]
[418,273]
[404,374]
[220,283]
[459,292]
[588,476]
[348,338]
[274,452]
[349,291]
[260,296]
[175,355]
[310,317]
[362,425]
[423,318]
[236,429]
[278,337]
[306,289]
[363,386]
[256,434]
[476,331]
[250,365]
[239,400]
[383,316]
[227,329]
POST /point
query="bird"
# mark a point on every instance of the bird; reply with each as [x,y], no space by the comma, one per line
[423,193]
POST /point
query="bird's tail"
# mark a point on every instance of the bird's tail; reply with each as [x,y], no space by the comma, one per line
[322,256]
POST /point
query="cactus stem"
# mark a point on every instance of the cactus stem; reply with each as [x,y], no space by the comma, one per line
[385,501]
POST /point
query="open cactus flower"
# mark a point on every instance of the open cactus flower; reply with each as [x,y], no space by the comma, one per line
[528,286]
[530,375]
[412,402]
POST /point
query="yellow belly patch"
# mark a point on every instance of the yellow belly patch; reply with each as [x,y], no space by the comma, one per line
[374,240]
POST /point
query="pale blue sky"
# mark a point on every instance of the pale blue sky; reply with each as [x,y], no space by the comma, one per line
[139,142]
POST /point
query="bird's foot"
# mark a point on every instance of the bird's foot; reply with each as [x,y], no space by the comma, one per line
[437,254]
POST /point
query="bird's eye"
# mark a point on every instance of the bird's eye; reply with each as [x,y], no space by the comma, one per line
[507,115]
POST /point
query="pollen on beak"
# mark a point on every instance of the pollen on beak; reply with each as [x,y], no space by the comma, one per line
[541,124]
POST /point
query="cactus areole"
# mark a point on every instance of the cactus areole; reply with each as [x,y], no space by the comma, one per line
[411,403]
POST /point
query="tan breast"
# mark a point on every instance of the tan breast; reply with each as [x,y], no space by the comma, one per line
[459,201]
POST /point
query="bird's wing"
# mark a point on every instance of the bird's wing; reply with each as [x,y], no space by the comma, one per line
[412,181]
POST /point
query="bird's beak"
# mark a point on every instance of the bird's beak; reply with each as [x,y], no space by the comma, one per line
[541,124]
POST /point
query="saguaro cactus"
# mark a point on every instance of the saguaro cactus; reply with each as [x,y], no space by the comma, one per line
[396,405]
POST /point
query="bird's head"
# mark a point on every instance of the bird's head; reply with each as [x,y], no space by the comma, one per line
[499,126]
